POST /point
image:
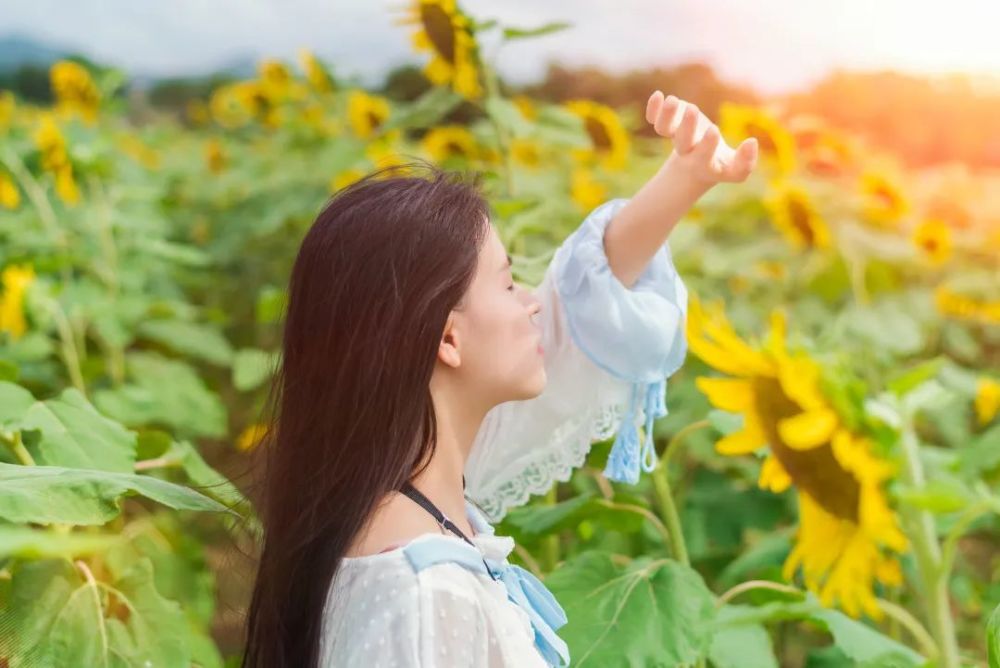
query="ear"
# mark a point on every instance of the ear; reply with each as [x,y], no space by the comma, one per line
[449,348]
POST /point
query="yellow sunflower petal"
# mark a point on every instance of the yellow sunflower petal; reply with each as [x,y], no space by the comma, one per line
[773,476]
[809,429]
[740,442]
[729,394]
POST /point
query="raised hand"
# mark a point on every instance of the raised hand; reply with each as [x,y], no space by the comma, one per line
[698,146]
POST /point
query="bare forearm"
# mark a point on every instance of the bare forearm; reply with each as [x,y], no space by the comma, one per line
[639,229]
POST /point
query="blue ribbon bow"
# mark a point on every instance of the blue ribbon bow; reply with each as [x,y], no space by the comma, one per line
[544,611]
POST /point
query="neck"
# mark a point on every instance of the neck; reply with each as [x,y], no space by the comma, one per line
[441,481]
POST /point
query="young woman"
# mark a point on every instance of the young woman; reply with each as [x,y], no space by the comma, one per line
[423,393]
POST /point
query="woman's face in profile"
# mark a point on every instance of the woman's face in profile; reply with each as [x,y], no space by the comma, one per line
[497,333]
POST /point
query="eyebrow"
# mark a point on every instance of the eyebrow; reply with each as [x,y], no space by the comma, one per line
[509,263]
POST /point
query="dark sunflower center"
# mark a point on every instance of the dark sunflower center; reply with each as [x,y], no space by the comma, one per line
[884,196]
[437,25]
[598,133]
[764,139]
[374,120]
[800,220]
[815,471]
[455,149]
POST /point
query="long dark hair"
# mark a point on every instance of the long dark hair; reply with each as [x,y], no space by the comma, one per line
[351,416]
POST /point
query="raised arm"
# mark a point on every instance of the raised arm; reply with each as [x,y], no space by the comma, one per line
[613,314]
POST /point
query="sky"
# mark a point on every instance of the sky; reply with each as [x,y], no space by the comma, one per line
[773,45]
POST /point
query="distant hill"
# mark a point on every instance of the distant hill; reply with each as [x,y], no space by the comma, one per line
[18,50]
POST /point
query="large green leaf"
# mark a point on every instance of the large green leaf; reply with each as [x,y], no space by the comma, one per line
[47,494]
[57,616]
[38,543]
[252,366]
[648,612]
[167,392]
[740,645]
[189,338]
[73,432]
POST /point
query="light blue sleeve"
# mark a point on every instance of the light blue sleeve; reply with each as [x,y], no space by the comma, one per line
[635,334]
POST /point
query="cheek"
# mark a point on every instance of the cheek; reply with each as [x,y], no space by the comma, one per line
[500,322]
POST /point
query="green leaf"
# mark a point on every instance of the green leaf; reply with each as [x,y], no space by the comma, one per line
[648,612]
[59,617]
[866,646]
[902,383]
[189,338]
[205,478]
[740,645]
[540,520]
[425,111]
[165,392]
[47,494]
[725,422]
[29,543]
[251,367]
[506,114]
[941,495]
[14,403]
[76,435]
[558,126]
[993,639]
[547,29]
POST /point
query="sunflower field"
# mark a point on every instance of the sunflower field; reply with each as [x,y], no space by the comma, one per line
[826,491]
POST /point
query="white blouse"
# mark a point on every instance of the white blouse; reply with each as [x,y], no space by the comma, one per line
[608,352]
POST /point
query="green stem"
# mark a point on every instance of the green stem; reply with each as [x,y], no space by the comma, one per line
[664,495]
[16,446]
[69,349]
[895,612]
[493,92]
[36,193]
[639,510]
[927,552]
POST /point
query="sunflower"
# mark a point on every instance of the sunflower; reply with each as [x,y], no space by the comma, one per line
[964,307]
[987,400]
[586,191]
[237,104]
[608,138]
[74,90]
[55,159]
[848,537]
[10,196]
[777,147]
[250,437]
[14,280]
[933,238]
[884,203]
[131,146]
[345,178]
[215,157]
[796,217]
[447,33]
[366,113]
[526,152]
[449,141]
[316,73]
[526,106]
[823,150]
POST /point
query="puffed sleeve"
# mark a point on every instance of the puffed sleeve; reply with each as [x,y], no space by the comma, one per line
[609,350]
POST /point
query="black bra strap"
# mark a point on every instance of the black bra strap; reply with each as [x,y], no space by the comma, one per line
[415,494]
